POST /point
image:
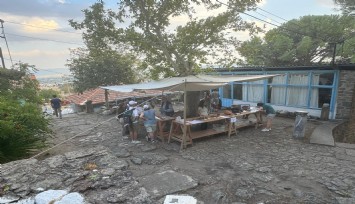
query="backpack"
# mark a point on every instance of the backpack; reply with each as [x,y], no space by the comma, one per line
[128,117]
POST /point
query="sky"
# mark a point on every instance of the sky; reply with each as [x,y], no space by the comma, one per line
[38,33]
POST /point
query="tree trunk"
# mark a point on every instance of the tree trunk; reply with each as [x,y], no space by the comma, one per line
[193,98]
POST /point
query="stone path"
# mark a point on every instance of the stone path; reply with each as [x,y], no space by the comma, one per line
[252,167]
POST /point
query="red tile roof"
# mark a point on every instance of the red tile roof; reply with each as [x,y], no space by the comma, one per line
[97,96]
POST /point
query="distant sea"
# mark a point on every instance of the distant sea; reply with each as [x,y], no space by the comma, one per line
[53,76]
[52,73]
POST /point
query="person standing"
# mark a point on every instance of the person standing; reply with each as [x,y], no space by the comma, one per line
[56,105]
[207,99]
[134,125]
[216,102]
[122,107]
[150,123]
[270,115]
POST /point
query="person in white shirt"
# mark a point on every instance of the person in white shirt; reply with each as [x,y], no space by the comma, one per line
[202,109]
[203,112]
[133,127]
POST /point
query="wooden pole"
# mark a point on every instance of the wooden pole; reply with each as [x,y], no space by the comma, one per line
[106,99]
[183,143]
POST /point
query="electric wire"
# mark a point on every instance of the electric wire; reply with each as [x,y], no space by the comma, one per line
[272,14]
[44,39]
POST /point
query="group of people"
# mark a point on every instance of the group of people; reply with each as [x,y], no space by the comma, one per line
[133,114]
[208,104]
[212,103]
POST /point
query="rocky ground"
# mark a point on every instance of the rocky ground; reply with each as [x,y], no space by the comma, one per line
[252,167]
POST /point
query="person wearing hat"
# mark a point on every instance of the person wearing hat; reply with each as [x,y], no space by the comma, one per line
[150,123]
[133,127]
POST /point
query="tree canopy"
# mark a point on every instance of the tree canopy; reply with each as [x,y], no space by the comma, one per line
[23,128]
[172,48]
[101,62]
[100,68]
[169,37]
[305,41]
[347,6]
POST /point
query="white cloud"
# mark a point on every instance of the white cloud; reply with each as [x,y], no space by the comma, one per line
[38,25]
[326,3]
[261,3]
[40,53]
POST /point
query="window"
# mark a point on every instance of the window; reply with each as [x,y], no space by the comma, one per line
[297,96]
[325,95]
[278,92]
[238,91]
[324,79]
[298,79]
[297,93]
[308,89]
[227,91]
[254,90]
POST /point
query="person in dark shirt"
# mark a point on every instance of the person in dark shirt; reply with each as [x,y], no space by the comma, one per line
[166,108]
[56,105]
[270,114]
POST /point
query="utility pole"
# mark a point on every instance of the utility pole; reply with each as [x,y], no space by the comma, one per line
[2,59]
[334,51]
[3,36]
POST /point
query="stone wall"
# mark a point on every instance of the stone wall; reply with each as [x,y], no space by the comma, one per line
[345,91]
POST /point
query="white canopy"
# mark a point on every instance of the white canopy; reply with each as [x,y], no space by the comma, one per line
[192,82]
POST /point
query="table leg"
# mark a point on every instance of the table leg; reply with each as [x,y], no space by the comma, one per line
[171,131]
[259,119]
[188,133]
[230,129]
[162,126]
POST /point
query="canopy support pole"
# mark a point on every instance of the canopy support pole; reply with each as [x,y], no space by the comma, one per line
[183,143]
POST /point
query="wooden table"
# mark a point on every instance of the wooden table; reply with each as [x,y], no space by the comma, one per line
[235,124]
[177,127]
[161,124]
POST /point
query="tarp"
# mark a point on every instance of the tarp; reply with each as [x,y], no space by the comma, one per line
[193,83]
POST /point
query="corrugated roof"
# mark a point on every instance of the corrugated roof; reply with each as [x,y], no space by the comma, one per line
[281,68]
[97,96]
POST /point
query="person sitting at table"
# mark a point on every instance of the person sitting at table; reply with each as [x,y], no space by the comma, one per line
[202,112]
[150,123]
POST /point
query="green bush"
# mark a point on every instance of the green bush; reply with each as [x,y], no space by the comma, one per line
[23,129]
[47,94]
